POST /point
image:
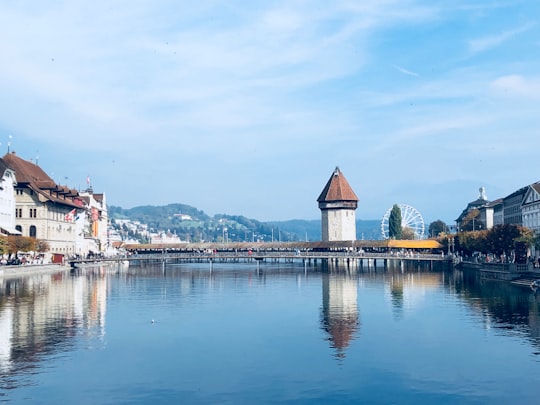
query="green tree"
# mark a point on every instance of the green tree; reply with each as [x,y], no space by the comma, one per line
[17,243]
[4,246]
[408,234]
[469,242]
[472,221]
[436,228]
[502,239]
[395,229]
[42,246]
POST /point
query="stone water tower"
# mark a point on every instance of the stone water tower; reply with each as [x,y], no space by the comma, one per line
[338,203]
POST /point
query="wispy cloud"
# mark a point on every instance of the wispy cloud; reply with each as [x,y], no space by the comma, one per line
[517,86]
[488,42]
[405,71]
[185,86]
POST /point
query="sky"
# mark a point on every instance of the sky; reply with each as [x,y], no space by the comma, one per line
[246,108]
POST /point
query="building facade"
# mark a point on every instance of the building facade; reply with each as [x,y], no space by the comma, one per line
[8,181]
[338,203]
[93,225]
[530,208]
[43,209]
[512,207]
[477,215]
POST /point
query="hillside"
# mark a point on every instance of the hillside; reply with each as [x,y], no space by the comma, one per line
[195,225]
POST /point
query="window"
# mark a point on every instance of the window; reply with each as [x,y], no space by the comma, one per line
[19,191]
[33,212]
[18,212]
[33,231]
[19,228]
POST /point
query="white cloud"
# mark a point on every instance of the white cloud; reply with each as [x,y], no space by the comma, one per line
[184,86]
[492,41]
[405,71]
[517,86]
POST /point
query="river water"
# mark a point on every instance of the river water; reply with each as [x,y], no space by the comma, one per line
[278,333]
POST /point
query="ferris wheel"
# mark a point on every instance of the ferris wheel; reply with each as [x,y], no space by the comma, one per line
[410,218]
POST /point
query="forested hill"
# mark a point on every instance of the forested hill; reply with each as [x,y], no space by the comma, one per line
[195,225]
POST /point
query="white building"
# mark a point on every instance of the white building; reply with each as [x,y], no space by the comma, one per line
[338,203]
[93,225]
[43,209]
[164,237]
[8,182]
[530,208]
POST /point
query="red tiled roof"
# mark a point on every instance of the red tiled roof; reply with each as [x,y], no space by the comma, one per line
[32,176]
[337,189]
[28,172]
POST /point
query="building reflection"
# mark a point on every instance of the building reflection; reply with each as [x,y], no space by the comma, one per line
[407,290]
[505,308]
[41,314]
[339,314]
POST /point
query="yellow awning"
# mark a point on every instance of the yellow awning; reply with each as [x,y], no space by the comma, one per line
[414,244]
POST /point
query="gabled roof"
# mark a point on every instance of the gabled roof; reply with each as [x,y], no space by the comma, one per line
[532,196]
[337,189]
[28,172]
[3,167]
[32,176]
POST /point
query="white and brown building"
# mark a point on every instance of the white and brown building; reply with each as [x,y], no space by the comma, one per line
[94,224]
[43,209]
[8,181]
[338,203]
[530,208]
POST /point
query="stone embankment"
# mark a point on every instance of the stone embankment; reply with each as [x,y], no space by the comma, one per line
[31,269]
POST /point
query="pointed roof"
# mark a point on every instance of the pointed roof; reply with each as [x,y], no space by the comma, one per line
[337,189]
[28,172]
[32,176]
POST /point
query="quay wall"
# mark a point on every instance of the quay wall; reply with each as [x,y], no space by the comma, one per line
[31,269]
[501,271]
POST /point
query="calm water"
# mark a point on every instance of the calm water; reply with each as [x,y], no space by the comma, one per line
[279,334]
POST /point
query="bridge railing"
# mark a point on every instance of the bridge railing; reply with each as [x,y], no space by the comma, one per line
[287,254]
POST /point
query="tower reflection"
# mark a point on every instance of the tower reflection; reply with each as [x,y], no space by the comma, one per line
[339,314]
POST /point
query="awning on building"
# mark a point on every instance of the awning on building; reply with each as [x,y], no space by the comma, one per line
[9,231]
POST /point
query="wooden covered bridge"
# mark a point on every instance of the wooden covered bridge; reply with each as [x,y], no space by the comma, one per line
[359,251]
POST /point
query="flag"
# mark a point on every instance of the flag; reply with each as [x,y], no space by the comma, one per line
[95,214]
[70,216]
[88,180]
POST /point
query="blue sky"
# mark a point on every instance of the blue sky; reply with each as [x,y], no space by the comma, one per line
[246,108]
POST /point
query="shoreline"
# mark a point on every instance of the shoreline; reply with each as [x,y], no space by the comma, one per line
[32,269]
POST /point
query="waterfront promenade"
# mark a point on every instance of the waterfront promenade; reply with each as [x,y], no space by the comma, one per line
[31,269]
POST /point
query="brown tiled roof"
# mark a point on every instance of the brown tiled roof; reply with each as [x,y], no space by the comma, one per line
[28,172]
[3,167]
[337,189]
[32,176]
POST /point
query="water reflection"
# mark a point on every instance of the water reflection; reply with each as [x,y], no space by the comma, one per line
[339,315]
[510,310]
[276,316]
[41,314]
[406,290]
